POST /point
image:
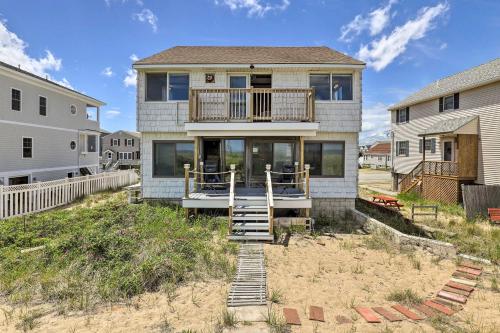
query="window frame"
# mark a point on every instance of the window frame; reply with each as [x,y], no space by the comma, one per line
[76,145]
[46,105]
[330,76]
[22,147]
[321,157]
[115,142]
[96,148]
[398,148]
[406,112]
[167,74]
[20,99]
[452,96]
[127,142]
[76,110]
[154,143]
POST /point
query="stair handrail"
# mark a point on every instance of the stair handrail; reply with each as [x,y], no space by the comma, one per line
[407,179]
[106,166]
[270,198]
[231,196]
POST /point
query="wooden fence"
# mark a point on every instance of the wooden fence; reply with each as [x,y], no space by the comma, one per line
[17,200]
[478,198]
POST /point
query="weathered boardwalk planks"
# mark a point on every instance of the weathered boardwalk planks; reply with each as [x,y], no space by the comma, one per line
[249,285]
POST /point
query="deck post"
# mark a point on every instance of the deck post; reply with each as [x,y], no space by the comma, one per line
[307,190]
[423,148]
[186,181]
[250,112]
[301,153]
[296,164]
[202,178]
[1,202]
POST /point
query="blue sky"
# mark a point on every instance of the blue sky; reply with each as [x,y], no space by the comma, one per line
[90,44]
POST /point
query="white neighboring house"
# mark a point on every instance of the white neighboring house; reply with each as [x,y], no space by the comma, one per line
[447,134]
[250,106]
[47,131]
[378,155]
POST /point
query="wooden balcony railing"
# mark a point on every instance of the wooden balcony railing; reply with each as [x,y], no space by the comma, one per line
[440,168]
[251,104]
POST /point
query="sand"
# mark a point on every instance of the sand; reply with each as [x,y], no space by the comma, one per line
[196,306]
[342,274]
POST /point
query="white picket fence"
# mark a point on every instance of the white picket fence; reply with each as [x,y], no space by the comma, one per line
[17,200]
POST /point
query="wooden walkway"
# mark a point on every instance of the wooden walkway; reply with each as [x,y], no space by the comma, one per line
[249,286]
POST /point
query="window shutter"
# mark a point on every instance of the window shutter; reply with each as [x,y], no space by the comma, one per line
[132,142]
[456,101]
[441,104]
[420,143]
[397,148]
[118,142]
[407,143]
[407,114]
[433,145]
[397,116]
[111,142]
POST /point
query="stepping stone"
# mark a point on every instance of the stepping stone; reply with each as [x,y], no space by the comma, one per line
[387,314]
[291,316]
[451,305]
[407,312]
[452,297]
[425,310]
[316,313]
[468,270]
[461,286]
[463,275]
[439,307]
[466,282]
[368,314]
[343,320]
[456,291]
[471,265]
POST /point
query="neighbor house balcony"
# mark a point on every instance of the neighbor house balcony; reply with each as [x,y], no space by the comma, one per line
[252,105]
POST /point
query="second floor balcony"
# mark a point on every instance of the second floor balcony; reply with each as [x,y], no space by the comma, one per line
[251,105]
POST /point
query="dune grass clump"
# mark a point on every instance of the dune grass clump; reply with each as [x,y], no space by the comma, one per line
[406,296]
[110,252]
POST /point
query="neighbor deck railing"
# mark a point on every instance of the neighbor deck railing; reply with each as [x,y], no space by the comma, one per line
[251,104]
[17,200]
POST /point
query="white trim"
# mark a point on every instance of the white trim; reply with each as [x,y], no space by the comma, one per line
[252,129]
[32,147]
[46,106]
[114,142]
[39,82]
[246,66]
[20,99]
[76,145]
[47,127]
[30,171]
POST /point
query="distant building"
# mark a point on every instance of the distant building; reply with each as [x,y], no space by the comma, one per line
[47,131]
[378,155]
[121,150]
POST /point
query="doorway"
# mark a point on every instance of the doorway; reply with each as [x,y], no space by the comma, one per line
[448,150]
[219,154]
[262,100]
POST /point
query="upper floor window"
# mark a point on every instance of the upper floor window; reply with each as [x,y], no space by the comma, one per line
[163,87]
[115,142]
[450,102]
[91,143]
[27,147]
[332,87]
[16,99]
[129,142]
[72,109]
[42,105]
[403,115]
[402,148]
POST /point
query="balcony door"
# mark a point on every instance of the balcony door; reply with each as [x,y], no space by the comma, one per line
[448,151]
[262,99]
[238,97]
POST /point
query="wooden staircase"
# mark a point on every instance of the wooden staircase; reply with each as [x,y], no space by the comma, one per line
[412,179]
[250,223]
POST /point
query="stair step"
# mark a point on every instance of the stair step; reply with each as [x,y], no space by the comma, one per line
[250,217]
[250,209]
[245,236]
[250,226]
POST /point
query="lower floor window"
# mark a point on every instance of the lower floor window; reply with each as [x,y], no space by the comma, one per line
[169,158]
[27,147]
[402,148]
[126,156]
[325,158]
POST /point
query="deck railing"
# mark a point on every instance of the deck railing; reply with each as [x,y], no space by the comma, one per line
[17,200]
[441,168]
[231,196]
[251,104]
[270,198]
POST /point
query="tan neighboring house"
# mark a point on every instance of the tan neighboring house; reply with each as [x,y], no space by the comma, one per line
[287,118]
[121,150]
[47,131]
[447,134]
[378,156]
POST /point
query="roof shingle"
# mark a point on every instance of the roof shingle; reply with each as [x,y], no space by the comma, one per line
[381,148]
[248,55]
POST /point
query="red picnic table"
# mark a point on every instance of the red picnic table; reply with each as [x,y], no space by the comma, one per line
[387,201]
[494,215]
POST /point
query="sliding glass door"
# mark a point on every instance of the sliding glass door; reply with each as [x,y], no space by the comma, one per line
[278,154]
[234,153]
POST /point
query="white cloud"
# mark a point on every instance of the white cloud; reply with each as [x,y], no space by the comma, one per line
[107,72]
[380,53]
[130,79]
[109,2]
[376,21]
[376,120]
[146,15]
[110,114]
[255,7]
[13,52]
[134,57]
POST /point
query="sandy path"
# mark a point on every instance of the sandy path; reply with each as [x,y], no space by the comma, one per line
[343,273]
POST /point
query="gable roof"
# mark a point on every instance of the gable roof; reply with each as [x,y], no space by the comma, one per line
[134,134]
[52,83]
[380,148]
[471,78]
[190,55]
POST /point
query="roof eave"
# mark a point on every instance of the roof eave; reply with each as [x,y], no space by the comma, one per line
[256,65]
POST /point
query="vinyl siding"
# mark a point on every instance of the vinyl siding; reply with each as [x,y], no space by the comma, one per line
[484,102]
[106,145]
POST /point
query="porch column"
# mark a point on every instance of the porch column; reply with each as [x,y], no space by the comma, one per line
[196,160]
[301,153]
[423,149]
